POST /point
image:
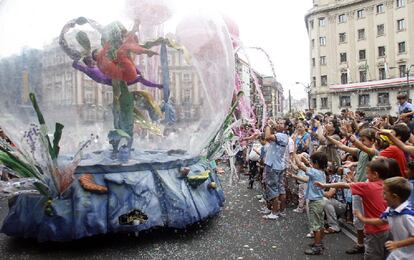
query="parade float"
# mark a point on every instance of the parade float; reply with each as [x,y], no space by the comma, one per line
[87,167]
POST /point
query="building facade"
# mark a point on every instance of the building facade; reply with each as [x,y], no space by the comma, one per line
[361,54]
[60,87]
[272,90]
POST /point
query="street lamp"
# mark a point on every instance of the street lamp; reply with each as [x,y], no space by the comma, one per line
[308,91]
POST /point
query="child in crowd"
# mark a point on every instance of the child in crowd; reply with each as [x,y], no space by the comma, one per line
[400,217]
[349,174]
[367,140]
[374,204]
[314,194]
[254,157]
[302,185]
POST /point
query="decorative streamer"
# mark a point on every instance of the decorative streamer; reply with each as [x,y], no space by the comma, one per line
[168,109]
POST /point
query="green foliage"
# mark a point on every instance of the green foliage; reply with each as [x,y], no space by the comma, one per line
[84,41]
[24,170]
[53,150]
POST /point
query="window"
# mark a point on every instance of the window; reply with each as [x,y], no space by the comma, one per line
[400,3]
[400,25]
[323,60]
[362,76]
[313,102]
[402,69]
[342,37]
[344,78]
[322,41]
[360,13]
[380,29]
[383,99]
[342,57]
[380,8]
[187,96]
[313,62]
[322,22]
[363,100]
[381,73]
[341,18]
[401,47]
[108,97]
[186,77]
[345,101]
[88,98]
[313,81]
[169,60]
[313,43]
[311,24]
[361,34]
[362,54]
[324,102]
[324,80]
[381,51]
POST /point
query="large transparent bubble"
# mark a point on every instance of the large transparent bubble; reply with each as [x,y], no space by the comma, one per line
[200,61]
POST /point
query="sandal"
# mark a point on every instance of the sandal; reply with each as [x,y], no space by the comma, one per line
[330,230]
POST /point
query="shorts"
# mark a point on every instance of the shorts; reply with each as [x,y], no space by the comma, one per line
[275,183]
[316,214]
[357,205]
[374,245]
[239,157]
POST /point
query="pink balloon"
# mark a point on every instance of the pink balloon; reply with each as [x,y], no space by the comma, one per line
[233,29]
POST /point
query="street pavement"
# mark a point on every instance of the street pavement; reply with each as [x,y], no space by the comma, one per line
[238,232]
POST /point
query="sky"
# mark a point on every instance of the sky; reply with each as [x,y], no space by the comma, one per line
[276,26]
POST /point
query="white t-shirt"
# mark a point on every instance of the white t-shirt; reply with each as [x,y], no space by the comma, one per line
[402,227]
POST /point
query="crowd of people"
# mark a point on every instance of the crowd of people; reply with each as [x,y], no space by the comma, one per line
[346,166]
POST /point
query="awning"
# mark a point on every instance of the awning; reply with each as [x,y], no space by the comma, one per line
[378,84]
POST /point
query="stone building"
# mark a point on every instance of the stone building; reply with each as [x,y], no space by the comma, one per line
[361,54]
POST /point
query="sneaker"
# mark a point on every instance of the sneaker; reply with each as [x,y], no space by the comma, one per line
[265,211]
[310,235]
[271,216]
[357,249]
[282,214]
[314,250]
[262,200]
[298,210]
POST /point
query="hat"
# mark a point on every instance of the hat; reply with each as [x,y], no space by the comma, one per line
[385,138]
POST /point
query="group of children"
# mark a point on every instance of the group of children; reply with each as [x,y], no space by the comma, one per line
[341,164]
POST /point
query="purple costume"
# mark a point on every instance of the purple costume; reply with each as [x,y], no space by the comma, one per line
[96,74]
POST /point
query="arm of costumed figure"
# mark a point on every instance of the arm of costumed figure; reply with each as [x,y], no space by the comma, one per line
[93,72]
[143,81]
